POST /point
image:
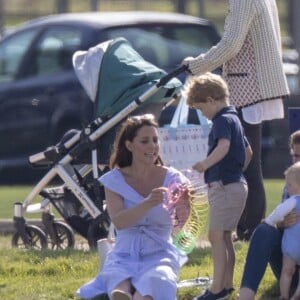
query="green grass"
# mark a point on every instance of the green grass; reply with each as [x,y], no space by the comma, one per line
[51,275]
[273,189]
[56,275]
[11,194]
[8,196]
[215,10]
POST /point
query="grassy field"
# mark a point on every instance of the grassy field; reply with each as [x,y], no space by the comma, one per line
[214,10]
[11,194]
[56,275]
[273,189]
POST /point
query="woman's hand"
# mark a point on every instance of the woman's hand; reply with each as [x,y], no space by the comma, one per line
[289,220]
[127,217]
[186,62]
[157,196]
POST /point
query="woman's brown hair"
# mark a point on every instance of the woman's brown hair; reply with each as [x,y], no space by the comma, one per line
[121,157]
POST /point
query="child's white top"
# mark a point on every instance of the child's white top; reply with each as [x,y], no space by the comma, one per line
[281,211]
[291,237]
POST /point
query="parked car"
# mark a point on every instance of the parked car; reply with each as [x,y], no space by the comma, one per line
[40,95]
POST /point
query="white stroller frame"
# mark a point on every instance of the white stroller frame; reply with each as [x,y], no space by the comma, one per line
[33,236]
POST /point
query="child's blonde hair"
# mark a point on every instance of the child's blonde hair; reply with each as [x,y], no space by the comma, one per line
[295,138]
[293,172]
[199,88]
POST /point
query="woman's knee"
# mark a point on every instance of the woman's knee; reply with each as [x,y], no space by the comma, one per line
[246,294]
[266,234]
[124,285]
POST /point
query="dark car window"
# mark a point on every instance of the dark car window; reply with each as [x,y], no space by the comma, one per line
[157,43]
[192,41]
[147,42]
[12,52]
[54,50]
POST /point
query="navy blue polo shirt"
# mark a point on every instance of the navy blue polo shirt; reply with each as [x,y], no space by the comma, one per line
[227,125]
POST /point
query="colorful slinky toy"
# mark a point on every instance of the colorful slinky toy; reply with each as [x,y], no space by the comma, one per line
[191,210]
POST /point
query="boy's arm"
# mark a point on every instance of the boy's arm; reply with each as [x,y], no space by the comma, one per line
[281,211]
[248,156]
[215,156]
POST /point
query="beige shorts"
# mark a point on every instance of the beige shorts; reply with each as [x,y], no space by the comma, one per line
[226,204]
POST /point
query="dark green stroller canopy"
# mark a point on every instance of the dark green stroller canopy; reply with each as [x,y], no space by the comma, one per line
[113,74]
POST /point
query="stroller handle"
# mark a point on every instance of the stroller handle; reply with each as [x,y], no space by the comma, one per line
[51,153]
[48,156]
[164,80]
[36,157]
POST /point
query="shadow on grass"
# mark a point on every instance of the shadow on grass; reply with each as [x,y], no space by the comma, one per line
[197,255]
[271,293]
[61,253]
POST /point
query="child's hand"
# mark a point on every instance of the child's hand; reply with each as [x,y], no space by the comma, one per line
[200,167]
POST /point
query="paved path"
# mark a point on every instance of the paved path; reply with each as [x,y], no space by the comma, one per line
[7,225]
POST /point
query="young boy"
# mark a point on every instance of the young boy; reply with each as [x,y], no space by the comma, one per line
[290,241]
[229,153]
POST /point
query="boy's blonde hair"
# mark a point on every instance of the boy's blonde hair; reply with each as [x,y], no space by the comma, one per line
[199,88]
[293,172]
[295,138]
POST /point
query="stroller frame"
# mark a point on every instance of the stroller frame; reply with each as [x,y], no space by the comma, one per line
[31,236]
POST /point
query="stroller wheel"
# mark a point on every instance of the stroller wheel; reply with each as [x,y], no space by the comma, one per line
[63,239]
[35,238]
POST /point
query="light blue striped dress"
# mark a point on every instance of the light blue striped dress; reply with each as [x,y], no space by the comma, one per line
[291,238]
[144,253]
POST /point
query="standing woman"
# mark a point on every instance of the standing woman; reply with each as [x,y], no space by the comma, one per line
[143,264]
[250,52]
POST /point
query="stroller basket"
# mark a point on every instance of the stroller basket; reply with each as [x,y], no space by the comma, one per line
[63,200]
[74,213]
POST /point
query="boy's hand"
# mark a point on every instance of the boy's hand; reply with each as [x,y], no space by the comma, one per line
[200,166]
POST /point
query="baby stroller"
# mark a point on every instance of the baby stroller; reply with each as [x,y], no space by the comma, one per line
[113,74]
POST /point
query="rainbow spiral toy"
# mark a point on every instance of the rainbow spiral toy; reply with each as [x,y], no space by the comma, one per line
[196,223]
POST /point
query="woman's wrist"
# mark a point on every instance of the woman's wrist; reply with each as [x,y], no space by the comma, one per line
[281,225]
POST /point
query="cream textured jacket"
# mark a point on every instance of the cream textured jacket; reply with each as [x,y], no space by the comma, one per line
[250,52]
